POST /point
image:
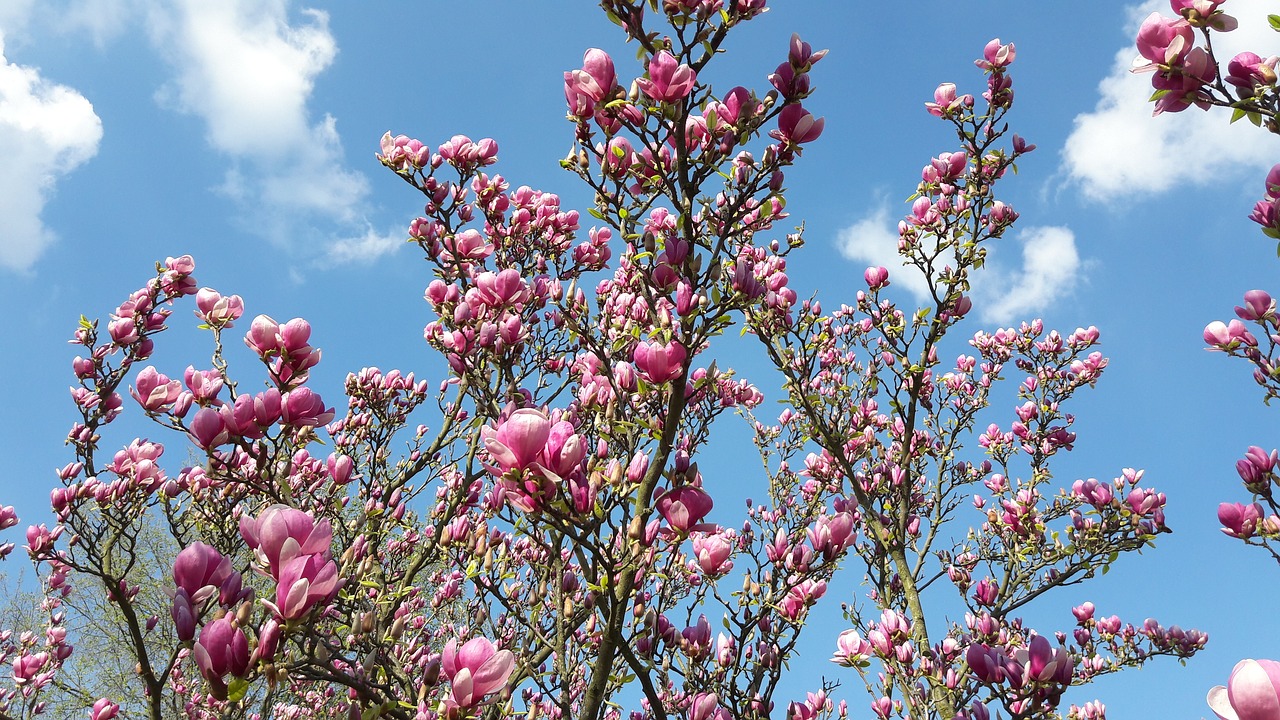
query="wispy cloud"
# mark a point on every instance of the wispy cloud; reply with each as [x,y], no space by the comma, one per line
[1050,266]
[1050,270]
[46,131]
[245,69]
[1118,150]
[363,249]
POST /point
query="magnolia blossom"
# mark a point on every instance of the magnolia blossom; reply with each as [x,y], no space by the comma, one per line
[797,126]
[305,582]
[1251,693]
[659,362]
[532,455]
[221,650]
[668,81]
[475,670]
[281,533]
[684,507]
[104,709]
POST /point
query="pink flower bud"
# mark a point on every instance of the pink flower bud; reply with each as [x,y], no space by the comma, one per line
[684,507]
[659,362]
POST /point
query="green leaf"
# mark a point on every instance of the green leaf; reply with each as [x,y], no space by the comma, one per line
[1236,115]
[237,689]
[1274,21]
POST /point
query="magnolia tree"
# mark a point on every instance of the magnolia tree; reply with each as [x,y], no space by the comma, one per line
[1179,52]
[532,533]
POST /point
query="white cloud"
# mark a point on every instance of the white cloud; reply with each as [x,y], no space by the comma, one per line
[249,74]
[46,131]
[102,20]
[14,16]
[1050,266]
[1119,150]
[1050,269]
[365,249]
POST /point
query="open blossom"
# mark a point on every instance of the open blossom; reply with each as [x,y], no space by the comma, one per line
[996,56]
[217,310]
[305,582]
[281,533]
[712,552]
[1251,693]
[155,391]
[1239,520]
[851,649]
[945,102]
[1248,72]
[26,668]
[669,80]
[517,442]
[475,670]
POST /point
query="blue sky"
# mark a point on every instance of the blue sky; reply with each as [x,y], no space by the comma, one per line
[244,132]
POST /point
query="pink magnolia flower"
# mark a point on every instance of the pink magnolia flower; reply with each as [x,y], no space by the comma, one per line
[200,570]
[1185,85]
[851,649]
[104,709]
[668,81]
[684,507]
[564,451]
[208,429]
[1162,41]
[1040,662]
[1257,305]
[475,670]
[1239,520]
[995,55]
[876,277]
[221,650]
[517,441]
[945,101]
[713,551]
[305,582]
[1205,12]
[1252,692]
[281,533]
[216,310]
[703,706]
[154,391]
[590,85]
[659,362]
[302,408]
[797,126]
[27,667]
[1248,71]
